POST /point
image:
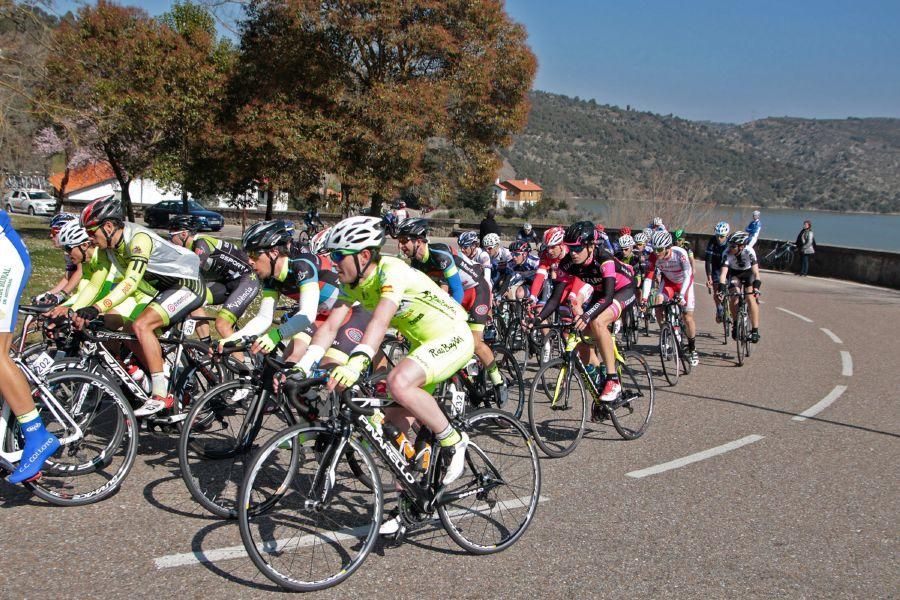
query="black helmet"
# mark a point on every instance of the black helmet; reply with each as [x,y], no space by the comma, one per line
[266,235]
[520,246]
[184,223]
[414,228]
[579,233]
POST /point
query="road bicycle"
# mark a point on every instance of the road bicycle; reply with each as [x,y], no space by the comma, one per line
[307,233]
[322,518]
[561,389]
[672,343]
[780,258]
[743,345]
[631,325]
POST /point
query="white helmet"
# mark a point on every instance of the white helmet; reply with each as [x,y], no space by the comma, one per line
[626,241]
[72,234]
[356,233]
[491,240]
[657,222]
[317,242]
[640,238]
[527,227]
[722,228]
[662,239]
[739,238]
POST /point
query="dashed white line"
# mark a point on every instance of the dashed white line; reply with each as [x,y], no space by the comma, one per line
[830,334]
[793,314]
[821,404]
[680,462]
[846,364]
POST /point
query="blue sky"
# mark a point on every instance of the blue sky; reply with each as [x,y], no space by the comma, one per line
[718,60]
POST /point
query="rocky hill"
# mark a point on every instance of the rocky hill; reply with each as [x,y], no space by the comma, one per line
[584,149]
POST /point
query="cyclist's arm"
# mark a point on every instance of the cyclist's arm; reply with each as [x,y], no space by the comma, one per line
[450,272]
[139,250]
[90,292]
[559,288]
[600,302]
[309,306]
[648,280]
[260,323]
[688,271]
[708,261]
[74,278]
[723,273]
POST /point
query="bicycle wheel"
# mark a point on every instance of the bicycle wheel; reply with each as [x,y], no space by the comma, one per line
[197,374]
[93,467]
[218,439]
[726,324]
[494,500]
[304,542]
[512,375]
[668,352]
[746,339]
[630,415]
[739,333]
[557,415]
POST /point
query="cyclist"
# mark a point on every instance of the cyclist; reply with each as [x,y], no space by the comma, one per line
[741,272]
[520,272]
[468,246]
[603,238]
[753,229]
[622,232]
[66,286]
[656,224]
[682,242]
[613,292]
[499,255]
[312,220]
[528,235]
[548,263]
[230,280]
[404,298]
[141,255]
[466,286]
[677,283]
[631,258]
[15,269]
[716,248]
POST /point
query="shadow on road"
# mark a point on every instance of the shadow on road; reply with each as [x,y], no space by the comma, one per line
[239,570]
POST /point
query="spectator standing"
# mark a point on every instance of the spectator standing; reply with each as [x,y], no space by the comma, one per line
[488,225]
[753,229]
[806,245]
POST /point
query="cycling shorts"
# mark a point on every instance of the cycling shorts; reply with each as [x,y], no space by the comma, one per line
[131,307]
[180,300]
[234,296]
[442,357]
[744,277]
[349,334]
[15,269]
[477,302]
[622,299]
[670,289]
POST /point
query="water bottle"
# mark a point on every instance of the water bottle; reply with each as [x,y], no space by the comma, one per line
[423,454]
[399,439]
[139,377]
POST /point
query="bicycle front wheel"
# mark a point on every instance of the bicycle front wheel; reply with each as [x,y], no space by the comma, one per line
[631,414]
[512,376]
[322,524]
[668,352]
[492,503]
[93,467]
[557,409]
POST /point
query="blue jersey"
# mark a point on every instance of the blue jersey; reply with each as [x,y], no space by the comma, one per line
[753,229]
[5,224]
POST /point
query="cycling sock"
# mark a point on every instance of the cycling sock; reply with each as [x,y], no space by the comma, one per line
[40,444]
[206,340]
[158,384]
[448,437]
[690,344]
[613,377]
[493,372]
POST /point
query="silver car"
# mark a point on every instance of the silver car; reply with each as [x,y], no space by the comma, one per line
[31,201]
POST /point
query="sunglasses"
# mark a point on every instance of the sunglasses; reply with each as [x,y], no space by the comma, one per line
[576,247]
[660,250]
[339,255]
[518,253]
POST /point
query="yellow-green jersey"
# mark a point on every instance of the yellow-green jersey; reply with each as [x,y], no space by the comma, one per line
[100,276]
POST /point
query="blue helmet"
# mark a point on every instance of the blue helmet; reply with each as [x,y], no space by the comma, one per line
[723,228]
[467,239]
[61,219]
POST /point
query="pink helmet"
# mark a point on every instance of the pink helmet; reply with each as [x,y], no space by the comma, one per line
[554,236]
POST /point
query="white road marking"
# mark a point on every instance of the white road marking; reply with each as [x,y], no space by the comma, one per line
[219,554]
[792,313]
[680,462]
[830,334]
[821,404]
[846,364]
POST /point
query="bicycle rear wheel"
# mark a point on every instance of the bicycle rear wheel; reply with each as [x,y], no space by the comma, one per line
[739,334]
[92,468]
[515,383]
[495,498]
[746,340]
[217,441]
[668,352]
[305,542]
[557,409]
[631,414]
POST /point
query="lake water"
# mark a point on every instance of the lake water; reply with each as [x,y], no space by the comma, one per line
[875,232]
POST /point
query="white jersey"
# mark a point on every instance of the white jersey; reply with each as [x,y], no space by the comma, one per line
[675,269]
[740,262]
[481,258]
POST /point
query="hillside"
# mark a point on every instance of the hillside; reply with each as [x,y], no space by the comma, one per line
[584,149]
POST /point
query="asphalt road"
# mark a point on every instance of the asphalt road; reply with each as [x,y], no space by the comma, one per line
[799,509]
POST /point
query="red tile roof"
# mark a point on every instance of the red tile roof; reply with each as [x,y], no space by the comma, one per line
[84,177]
[522,185]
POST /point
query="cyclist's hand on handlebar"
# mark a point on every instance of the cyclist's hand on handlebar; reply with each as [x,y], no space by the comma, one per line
[234,337]
[55,313]
[267,343]
[709,283]
[347,375]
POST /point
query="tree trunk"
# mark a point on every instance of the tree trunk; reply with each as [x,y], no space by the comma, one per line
[375,206]
[61,193]
[269,199]
[184,201]
[124,183]
[345,200]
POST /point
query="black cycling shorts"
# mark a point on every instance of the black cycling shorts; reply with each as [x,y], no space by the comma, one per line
[234,296]
[348,336]
[745,277]
[180,300]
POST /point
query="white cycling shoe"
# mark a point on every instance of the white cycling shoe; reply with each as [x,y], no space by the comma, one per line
[458,460]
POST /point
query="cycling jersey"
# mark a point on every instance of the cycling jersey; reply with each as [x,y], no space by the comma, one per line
[546,266]
[101,276]
[715,254]
[442,265]
[606,274]
[530,237]
[517,274]
[742,261]
[503,257]
[231,281]
[483,259]
[426,316]
[15,269]
[677,276]
[310,279]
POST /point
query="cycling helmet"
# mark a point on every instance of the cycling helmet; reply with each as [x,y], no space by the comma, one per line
[467,239]
[722,228]
[72,234]
[288,225]
[625,231]
[183,223]
[662,239]
[738,238]
[657,222]
[317,242]
[491,240]
[266,235]
[626,241]
[59,220]
[579,233]
[678,234]
[413,228]
[520,247]
[600,227]
[649,233]
[101,210]
[554,237]
[356,233]
[402,204]
[526,227]
[640,238]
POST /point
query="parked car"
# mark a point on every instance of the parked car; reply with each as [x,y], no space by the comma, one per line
[158,214]
[32,201]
